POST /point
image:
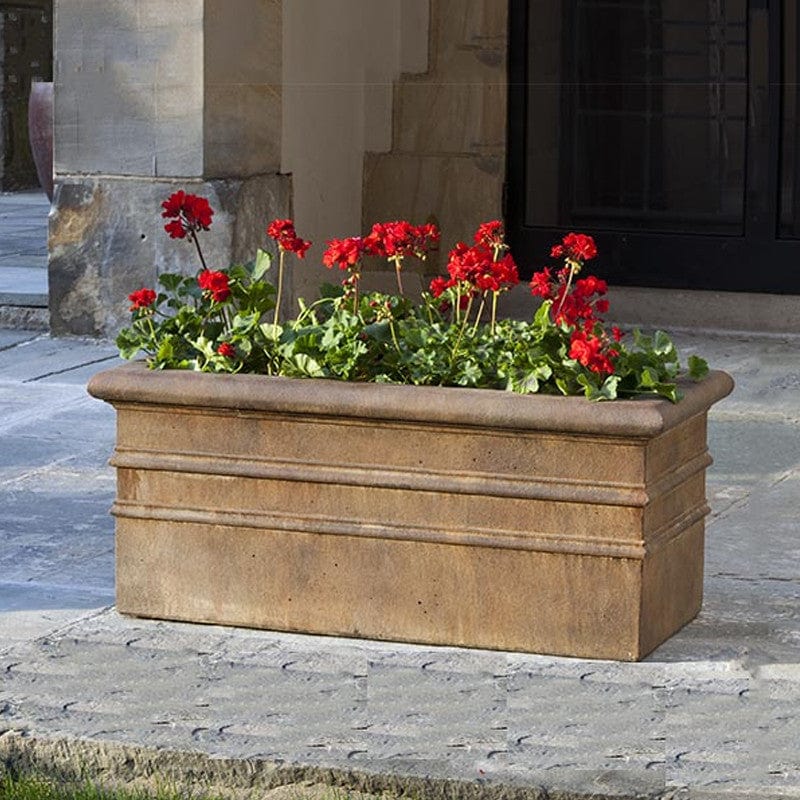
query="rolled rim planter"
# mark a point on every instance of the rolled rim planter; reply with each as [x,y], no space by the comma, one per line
[422,514]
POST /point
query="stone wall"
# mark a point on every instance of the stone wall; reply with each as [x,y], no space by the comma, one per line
[147,102]
[338,112]
[341,62]
[107,239]
[447,159]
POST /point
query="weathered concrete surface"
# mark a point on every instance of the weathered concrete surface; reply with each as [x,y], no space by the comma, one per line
[107,239]
[23,260]
[713,713]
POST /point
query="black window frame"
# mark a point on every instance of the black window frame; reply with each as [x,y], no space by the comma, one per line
[758,261]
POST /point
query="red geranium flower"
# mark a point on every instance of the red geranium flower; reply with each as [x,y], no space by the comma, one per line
[400,239]
[439,285]
[541,284]
[578,246]
[592,351]
[142,298]
[188,212]
[217,283]
[344,253]
[491,234]
[227,349]
[283,232]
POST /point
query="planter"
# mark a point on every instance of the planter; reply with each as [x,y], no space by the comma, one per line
[421,514]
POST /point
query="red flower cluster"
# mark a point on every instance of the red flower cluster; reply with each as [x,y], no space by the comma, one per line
[574,303]
[142,298]
[491,234]
[188,213]
[592,351]
[227,349]
[578,303]
[217,283]
[576,247]
[344,253]
[400,239]
[476,266]
[282,231]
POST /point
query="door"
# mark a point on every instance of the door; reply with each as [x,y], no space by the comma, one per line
[668,129]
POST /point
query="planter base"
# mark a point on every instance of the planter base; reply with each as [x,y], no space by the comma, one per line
[440,516]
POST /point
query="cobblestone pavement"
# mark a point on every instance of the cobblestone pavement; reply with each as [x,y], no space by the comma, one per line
[713,713]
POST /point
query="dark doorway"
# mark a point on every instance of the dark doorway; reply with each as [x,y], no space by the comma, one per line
[26,53]
[668,129]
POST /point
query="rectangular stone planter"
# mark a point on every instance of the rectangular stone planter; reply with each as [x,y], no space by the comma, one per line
[420,514]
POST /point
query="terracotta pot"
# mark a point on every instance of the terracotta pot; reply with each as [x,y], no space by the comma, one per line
[421,514]
[40,132]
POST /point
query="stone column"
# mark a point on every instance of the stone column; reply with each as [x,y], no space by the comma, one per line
[341,61]
[151,97]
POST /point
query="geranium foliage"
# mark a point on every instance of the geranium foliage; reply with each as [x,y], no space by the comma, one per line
[228,320]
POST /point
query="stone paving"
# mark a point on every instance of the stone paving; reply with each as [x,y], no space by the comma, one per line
[713,713]
[23,260]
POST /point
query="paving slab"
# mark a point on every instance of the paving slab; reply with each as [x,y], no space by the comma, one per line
[44,357]
[712,714]
[10,338]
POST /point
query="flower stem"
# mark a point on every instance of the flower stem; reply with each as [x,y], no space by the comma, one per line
[480,312]
[280,287]
[197,245]
[398,263]
[461,330]
[495,295]
[394,335]
[572,270]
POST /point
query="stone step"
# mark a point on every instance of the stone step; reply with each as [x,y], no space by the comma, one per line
[24,317]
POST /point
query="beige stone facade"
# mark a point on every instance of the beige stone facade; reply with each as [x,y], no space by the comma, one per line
[350,111]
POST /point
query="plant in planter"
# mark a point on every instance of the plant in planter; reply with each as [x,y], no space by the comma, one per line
[229,321]
[385,503]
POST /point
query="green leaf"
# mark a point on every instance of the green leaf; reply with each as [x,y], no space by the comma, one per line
[379,331]
[271,332]
[308,366]
[528,385]
[129,343]
[542,316]
[244,322]
[649,378]
[165,350]
[698,368]
[667,390]
[608,391]
[170,281]
[662,344]
[562,385]
[263,263]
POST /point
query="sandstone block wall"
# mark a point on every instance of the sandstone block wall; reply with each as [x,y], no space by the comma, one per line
[150,98]
[447,159]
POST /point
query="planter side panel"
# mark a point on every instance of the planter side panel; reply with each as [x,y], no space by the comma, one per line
[525,455]
[381,589]
[672,587]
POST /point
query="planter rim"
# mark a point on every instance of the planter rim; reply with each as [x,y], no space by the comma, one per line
[135,383]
